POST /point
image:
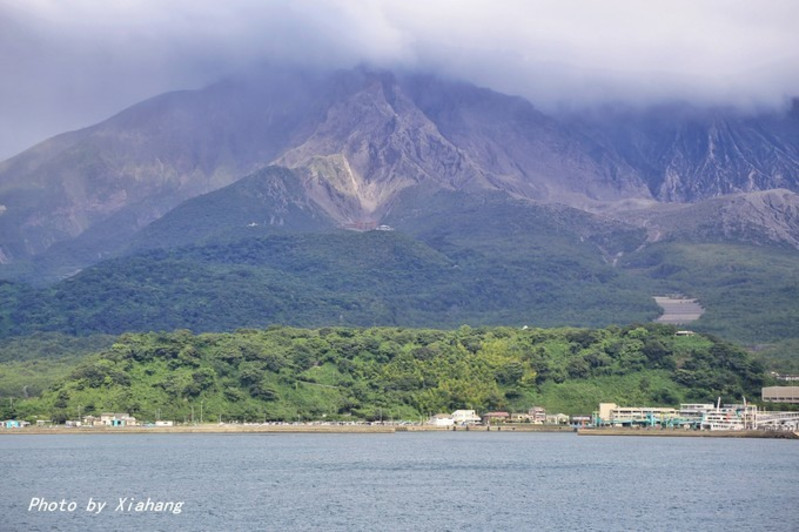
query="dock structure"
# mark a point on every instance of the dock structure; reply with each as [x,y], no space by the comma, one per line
[732,417]
[778,420]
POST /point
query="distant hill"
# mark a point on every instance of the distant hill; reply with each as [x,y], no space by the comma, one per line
[458,258]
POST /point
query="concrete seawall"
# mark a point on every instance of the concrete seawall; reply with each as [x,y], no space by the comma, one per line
[387,429]
[293,428]
[206,429]
[680,433]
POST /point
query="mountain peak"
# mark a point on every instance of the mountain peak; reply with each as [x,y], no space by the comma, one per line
[371,145]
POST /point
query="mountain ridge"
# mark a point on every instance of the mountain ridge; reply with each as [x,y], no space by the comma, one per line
[358,138]
[363,147]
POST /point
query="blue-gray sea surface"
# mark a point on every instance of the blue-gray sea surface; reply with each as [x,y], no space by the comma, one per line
[402,481]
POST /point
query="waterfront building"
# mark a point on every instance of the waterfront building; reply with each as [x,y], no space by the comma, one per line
[613,414]
[465,417]
[703,416]
[557,419]
[119,419]
[538,414]
[441,420]
[496,417]
[780,394]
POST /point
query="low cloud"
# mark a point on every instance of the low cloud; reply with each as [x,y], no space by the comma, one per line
[70,64]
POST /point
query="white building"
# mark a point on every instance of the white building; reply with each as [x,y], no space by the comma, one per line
[441,420]
[613,414]
[117,419]
[465,417]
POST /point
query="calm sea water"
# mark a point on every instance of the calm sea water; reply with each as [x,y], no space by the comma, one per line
[403,481]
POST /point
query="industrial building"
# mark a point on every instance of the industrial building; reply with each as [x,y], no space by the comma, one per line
[780,394]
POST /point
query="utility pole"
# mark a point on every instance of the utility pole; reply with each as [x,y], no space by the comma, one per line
[201,411]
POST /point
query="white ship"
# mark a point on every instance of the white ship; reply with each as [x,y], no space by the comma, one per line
[730,417]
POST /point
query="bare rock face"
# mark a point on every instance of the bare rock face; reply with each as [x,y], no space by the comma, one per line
[726,156]
[688,154]
[523,151]
[764,217]
[372,145]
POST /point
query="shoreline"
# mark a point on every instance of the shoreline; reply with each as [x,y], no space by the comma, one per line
[679,433]
[390,429]
[284,429]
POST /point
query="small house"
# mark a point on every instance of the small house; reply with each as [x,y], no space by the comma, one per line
[496,417]
[557,419]
[119,419]
[538,415]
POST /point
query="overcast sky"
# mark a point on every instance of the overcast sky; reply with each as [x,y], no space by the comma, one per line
[66,64]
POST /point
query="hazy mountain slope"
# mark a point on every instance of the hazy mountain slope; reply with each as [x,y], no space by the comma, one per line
[686,153]
[271,200]
[504,227]
[149,158]
[363,142]
[749,292]
[525,151]
[456,257]
[378,277]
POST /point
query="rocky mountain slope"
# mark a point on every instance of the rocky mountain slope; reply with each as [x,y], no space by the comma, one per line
[768,217]
[684,153]
[362,142]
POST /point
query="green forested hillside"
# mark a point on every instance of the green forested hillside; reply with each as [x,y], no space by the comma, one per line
[363,279]
[391,278]
[30,364]
[454,259]
[283,373]
[750,293]
[268,201]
